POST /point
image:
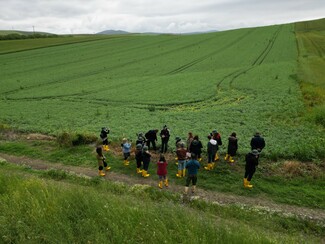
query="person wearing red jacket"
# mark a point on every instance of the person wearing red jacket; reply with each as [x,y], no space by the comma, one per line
[162,171]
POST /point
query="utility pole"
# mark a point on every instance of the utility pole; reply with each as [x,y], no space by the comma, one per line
[33,29]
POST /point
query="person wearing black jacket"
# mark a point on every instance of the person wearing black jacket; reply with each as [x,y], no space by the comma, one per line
[250,167]
[164,134]
[232,148]
[196,147]
[151,137]
[257,142]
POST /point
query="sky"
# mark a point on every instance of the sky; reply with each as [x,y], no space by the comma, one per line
[167,16]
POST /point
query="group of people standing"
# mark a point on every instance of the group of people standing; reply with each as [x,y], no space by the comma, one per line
[188,154]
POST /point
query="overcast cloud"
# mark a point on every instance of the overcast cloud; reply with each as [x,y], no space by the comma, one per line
[173,16]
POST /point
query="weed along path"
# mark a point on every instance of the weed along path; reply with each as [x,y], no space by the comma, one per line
[253,203]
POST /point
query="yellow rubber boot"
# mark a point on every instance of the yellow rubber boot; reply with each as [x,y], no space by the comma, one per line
[231,160]
[139,171]
[179,174]
[107,168]
[101,173]
[216,157]
[184,172]
[186,190]
[166,182]
[208,167]
[245,182]
[248,184]
[226,157]
[145,174]
[160,185]
[193,189]
[107,148]
[213,165]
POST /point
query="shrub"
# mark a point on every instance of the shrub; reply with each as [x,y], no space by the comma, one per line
[67,139]
[83,139]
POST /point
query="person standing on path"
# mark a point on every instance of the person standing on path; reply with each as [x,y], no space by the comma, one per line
[164,134]
[151,137]
[181,157]
[146,157]
[250,167]
[101,161]
[232,148]
[162,171]
[212,149]
[196,147]
[192,167]
[126,149]
[104,136]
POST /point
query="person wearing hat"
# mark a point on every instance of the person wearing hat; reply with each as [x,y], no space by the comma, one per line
[140,139]
[232,148]
[164,135]
[146,156]
[250,167]
[151,137]
[138,157]
[126,148]
[104,136]
[257,142]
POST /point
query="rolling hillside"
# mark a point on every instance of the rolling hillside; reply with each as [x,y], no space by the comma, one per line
[241,80]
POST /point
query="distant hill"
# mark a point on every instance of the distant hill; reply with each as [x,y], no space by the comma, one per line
[8,32]
[113,32]
[120,32]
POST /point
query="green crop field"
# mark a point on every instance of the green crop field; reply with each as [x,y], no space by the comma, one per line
[241,80]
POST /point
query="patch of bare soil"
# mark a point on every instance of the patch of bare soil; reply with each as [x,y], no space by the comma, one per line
[256,204]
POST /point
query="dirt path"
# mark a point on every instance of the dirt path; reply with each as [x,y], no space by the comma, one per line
[256,204]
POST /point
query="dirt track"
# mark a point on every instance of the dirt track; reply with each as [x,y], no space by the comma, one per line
[257,204]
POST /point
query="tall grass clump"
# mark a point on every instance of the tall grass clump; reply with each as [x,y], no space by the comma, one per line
[36,210]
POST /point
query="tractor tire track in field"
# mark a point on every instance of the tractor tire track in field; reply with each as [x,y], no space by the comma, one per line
[106,69]
[249,203]
[320,51]
[258,61]
[201,59]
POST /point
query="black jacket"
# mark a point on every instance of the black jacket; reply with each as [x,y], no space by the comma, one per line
[151,135]
[258,143]
[232,145]
[196,147]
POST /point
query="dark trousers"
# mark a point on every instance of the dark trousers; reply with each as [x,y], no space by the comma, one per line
[211,157]
[249,172]
[138,163]
[146,166]
[190,178]
[126,155]
[153,144]
[164,146]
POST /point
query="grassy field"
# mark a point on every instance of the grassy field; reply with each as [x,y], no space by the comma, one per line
[241,80]
[52,207]
[311,46]
[268,79]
